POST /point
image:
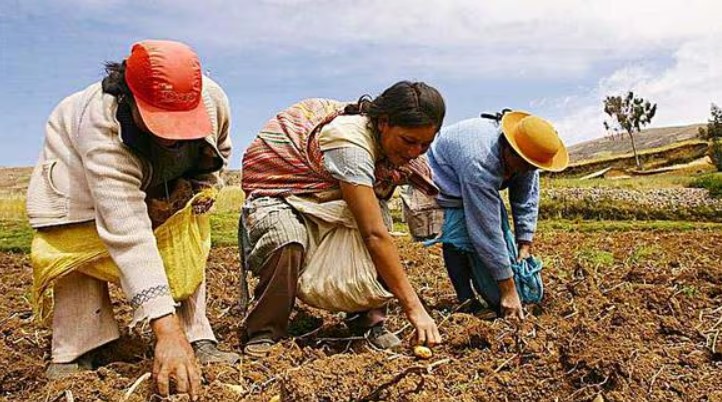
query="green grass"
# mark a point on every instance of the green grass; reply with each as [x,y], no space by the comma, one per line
[566,225]
[401,227]
[595,258]
[689,291]
[712,182]
[230,199]
[636,182]
[643,253]
[15,235]
[12,206]
[608,208]
[612,209]
[224,217]
[224,228]
[582,226]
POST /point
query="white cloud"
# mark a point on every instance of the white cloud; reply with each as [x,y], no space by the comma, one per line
[669,51]
[683,92]
[559,38]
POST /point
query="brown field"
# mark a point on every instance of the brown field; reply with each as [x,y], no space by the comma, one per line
[627,316]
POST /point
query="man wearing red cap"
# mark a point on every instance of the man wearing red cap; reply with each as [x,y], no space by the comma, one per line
[154,119]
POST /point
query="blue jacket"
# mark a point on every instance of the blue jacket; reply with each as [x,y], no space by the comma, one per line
[467,166]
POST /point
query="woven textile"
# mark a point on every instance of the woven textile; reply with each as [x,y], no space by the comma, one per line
[285,158]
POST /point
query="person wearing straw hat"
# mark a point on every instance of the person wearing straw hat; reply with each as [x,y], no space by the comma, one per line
[472,162]
[152,120]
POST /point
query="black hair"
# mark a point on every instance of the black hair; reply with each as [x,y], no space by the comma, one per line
[114,81]
[405,104]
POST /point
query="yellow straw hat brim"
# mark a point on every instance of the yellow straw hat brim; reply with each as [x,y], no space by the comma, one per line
[509,124]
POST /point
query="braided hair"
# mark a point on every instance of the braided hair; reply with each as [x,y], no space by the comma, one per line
[405,104]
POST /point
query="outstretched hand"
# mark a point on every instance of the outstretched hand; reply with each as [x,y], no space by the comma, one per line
[510,303]
[426,330]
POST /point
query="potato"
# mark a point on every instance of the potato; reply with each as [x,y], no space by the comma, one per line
[422,352]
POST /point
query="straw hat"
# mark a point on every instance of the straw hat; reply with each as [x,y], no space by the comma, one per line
[535,140]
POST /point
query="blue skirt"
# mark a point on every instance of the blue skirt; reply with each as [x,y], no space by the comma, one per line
[527,273]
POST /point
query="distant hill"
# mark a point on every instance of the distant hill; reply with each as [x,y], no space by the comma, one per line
[650,138]
[15,179]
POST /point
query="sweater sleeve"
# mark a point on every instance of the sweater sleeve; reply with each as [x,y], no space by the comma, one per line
[524,200]
[115,176]
[482,208]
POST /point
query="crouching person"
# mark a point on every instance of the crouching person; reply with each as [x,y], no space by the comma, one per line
[110,151]
[314,223]
[472,161]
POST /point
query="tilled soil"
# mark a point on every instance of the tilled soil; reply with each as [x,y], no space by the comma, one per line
[626,316]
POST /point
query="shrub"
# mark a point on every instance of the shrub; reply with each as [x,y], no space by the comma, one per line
[714,134]
[712,182]
[716,153]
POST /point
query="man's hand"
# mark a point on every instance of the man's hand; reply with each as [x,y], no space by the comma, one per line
[510,302]
[524,251]
[426,330]
[174,358]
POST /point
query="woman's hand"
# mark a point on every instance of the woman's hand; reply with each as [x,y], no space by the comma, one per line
[426,330]
[510,304]
[174,358]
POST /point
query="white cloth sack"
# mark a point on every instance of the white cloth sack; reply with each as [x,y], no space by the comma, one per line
[338,273]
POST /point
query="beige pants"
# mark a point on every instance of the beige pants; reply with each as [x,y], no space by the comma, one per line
[83,317]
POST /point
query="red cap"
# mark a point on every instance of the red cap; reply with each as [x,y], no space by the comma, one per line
[166,81]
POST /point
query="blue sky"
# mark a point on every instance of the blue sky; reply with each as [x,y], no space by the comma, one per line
[556,58]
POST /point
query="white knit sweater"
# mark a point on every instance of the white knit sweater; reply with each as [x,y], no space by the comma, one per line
[86,172]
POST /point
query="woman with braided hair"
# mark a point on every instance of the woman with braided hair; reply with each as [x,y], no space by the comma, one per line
[325,152]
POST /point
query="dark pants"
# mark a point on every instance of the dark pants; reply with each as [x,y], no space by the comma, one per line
[275,294]
[458,265]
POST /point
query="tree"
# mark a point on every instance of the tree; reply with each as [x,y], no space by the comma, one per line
[714,134]
[629,114]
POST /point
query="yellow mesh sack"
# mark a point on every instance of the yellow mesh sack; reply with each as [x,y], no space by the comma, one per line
[184,241]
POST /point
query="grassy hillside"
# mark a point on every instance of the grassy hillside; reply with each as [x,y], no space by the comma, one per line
[673,154]
[607,147]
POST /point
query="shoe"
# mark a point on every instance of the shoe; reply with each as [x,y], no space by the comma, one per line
[382,338]
[478,308]
[207,352]
[258,348]
[471,306]
[58,371]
